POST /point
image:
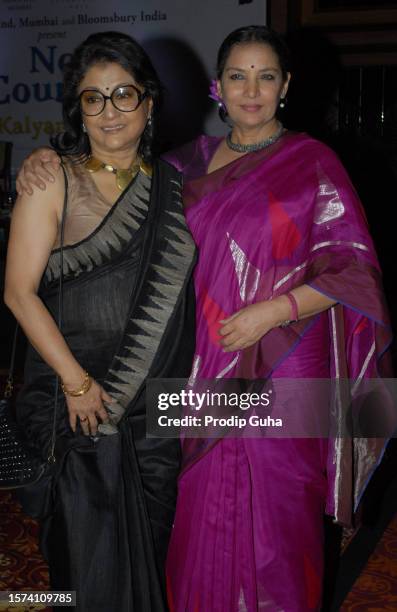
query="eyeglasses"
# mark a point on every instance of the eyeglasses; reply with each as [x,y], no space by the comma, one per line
[126,98]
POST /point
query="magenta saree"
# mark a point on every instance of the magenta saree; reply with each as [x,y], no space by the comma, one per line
[248,527]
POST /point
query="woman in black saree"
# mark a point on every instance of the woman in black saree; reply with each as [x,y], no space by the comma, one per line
[127,315]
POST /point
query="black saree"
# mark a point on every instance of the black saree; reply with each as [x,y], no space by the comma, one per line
[128,314]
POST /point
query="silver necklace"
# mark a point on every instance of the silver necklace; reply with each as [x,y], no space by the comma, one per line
[256,146]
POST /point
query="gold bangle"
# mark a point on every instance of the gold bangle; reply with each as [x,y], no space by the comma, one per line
[86,384]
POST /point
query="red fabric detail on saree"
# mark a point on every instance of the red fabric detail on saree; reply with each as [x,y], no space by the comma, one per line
[361,325]
[170,598]
[285,234]
[197,604]
[313,584]
[213,315]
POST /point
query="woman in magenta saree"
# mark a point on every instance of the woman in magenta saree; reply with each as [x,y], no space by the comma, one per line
[248,531]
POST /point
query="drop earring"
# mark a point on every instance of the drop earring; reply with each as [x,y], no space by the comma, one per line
[282,102]
[84,128]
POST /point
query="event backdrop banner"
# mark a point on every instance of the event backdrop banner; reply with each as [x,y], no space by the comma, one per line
[181,37]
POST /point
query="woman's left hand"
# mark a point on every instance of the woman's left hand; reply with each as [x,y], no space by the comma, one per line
[248,325]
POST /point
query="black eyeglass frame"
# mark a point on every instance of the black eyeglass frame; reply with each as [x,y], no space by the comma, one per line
[141,96]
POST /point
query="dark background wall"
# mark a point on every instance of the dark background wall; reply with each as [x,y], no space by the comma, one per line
[344,92]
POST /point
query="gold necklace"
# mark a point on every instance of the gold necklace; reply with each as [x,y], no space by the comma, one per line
[123,177]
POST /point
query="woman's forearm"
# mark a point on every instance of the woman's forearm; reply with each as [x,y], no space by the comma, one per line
[44,335]
[248,325]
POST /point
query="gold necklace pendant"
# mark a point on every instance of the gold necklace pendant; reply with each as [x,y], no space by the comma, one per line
[123,176]
[93,165]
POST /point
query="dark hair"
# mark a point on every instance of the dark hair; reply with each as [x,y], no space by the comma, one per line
[254,33]
[104,47]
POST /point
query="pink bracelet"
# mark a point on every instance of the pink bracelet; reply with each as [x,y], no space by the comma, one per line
[294,310]
[294,307]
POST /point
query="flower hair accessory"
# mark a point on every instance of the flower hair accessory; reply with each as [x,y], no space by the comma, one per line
[214,94]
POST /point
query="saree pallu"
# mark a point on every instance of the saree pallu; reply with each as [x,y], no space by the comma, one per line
[248,530]
[128,314]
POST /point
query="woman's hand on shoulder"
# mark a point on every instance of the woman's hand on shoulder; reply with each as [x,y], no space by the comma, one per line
[37,170]
[49,198]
